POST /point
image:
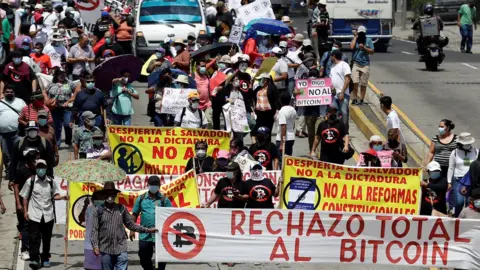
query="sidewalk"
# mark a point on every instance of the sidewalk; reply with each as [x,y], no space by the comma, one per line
[8,230]
[451,31]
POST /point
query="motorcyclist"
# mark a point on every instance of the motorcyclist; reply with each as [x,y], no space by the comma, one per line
[321,23]
[427,13]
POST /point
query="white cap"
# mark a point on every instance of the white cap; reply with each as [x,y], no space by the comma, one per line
[307,42]
[362,29]
[283,44]
[286,19]
[223,39]
[276,50]
[375,138]
[38,6]
[40,161]
[433,166]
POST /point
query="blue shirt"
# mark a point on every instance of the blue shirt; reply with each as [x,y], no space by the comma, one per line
[362,57]
[327,67]
[147,210]
[86,101]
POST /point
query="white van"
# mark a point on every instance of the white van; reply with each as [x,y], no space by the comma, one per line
[156,20]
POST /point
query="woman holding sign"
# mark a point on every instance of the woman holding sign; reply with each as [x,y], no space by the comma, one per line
[227,190]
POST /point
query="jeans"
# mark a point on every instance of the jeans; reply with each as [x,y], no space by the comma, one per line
[160,120]
[291,85]
[62,118]
[288,150]
[145,252]
[8,141]
[460,200]
[40,232]
[344,110]
[114,262]
[22,227]
[466,30]
[122,120]
[312,122]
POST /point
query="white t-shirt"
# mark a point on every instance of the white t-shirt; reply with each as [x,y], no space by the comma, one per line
[9,118]
[393,121]
[191,119]
[280,67]
[292,58]
[338,74]
[55,54]
[286,115]
[41,36]
[50,20]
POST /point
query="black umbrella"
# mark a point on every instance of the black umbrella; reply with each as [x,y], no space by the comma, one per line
[112,68]
[213,50]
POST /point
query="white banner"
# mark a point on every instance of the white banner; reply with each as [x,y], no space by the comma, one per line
[236,116]
[279,236]
[255,10]
[174,100]
[61,205]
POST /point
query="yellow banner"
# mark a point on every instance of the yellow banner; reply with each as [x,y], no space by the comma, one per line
[182,192]
[151,150]
[317,185]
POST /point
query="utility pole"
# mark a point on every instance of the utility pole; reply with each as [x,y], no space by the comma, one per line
[404,14]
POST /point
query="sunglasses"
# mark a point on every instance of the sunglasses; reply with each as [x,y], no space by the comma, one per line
[90,81]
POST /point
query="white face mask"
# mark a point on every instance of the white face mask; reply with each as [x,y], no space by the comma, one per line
[256,175]
[32,134]
[195,105]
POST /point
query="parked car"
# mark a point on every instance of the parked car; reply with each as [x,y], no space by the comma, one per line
[448,9]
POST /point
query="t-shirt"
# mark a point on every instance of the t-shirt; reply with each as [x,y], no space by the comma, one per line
[225,191]
[122,102]
[21,77]
[23,174]
[331,136]
[9,118]
[41,35]
[56,53]
[338,73]
[393,121]
[264,154]
[469,213]
[292,58]
[361,57]
[260,193]
[49,20]
[43,62]
[190,119]
[77,52]
[468,15]
[280,67]
[287,115]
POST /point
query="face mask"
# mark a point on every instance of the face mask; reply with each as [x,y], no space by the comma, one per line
[38,51]
[26,48]
[125,80]
[466,146]
[378,147]
[159,55]
[42,122]
[221,66]
[203,70]
[230,175]
[38,103]
[97,203]
[90,85]
[178,48]
[435,175]
[61,30]
[41,172]
[256,175]
[110,200]
[243,67]
[154,189]
[195,105]
[476,204]
[260,139]
[334,49]
[98,142]
[441,130]
[108,41]
[90,122]
[393,143]
[201,153]
[236,84]
[17,61]
[9,97]
[32,134]
[332,117]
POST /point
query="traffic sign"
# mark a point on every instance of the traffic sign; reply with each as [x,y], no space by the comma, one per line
[88,5]
[184,235]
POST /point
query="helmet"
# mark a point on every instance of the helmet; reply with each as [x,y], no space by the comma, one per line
[428,9]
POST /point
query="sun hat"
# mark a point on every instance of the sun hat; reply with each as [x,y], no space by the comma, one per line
[193,95]
[375,138]
[182,79]
[225,59]
[465,138]
[299,38]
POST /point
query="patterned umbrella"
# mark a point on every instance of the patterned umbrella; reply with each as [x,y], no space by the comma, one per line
[89,170]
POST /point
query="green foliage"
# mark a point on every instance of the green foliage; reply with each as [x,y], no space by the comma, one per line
[417,6]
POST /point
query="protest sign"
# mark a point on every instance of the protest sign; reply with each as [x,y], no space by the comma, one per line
[152,150]
[255,10]
[174,100]
[236,34]
[235,115]
[314,92]
[266,66]
[384,156]
[182,192]
[296,236]
[61,205]
[317,185]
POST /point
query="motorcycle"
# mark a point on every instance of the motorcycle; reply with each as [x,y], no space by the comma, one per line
[433,52]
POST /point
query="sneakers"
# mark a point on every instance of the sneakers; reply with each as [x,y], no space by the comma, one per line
[25,256]
[35,265]
[354,102]
[360,102]
[46,264]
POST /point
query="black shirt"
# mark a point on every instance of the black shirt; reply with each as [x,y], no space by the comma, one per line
[225,191]
[322,30]
[331,136]
[18,159]
[435,193]
[201,166]
[69,23]
[23,174]
[103,26]
[260,193]
[264,154]
[89,101]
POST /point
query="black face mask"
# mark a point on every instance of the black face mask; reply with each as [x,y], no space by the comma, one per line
[393,143]
[332,117]
[260,139]
[9,97]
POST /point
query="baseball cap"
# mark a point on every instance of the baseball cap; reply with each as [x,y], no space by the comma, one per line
[220,4]
[225,59]
[299,38]
[264,75]
[263,130]
[193,95]
[105,14]
[88,115]
[361,29]
[191,34]
[332,106]
[283,44]
[182,79]
[233,166]
[276,50]
[256,165]
[433,166]
[38,6]
[286,19]
[31,125]
[375,138]
[97,133]
[222,154]
[223,39]
[306,42]
[40,161]
[43,113]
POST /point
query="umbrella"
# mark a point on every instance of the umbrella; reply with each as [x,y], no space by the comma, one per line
[213,49]
[155,76]
[89,170]
[268,26]
[111,69]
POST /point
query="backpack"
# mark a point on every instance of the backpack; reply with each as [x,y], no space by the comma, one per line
[183,114]
[32,183]
[42,140]
[142,197]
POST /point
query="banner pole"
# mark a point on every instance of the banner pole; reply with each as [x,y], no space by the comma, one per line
[280,182]
[196,181]
[66,227]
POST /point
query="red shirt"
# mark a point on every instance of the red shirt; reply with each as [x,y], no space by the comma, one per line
[203,84]
[43,62]
[30,113]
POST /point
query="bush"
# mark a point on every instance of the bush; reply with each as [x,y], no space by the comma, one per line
[417,6]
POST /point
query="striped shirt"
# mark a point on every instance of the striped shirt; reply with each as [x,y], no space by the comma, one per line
[108,234]
[443,151]
[30,113]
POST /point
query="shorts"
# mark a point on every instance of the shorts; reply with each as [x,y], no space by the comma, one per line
[360,74]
